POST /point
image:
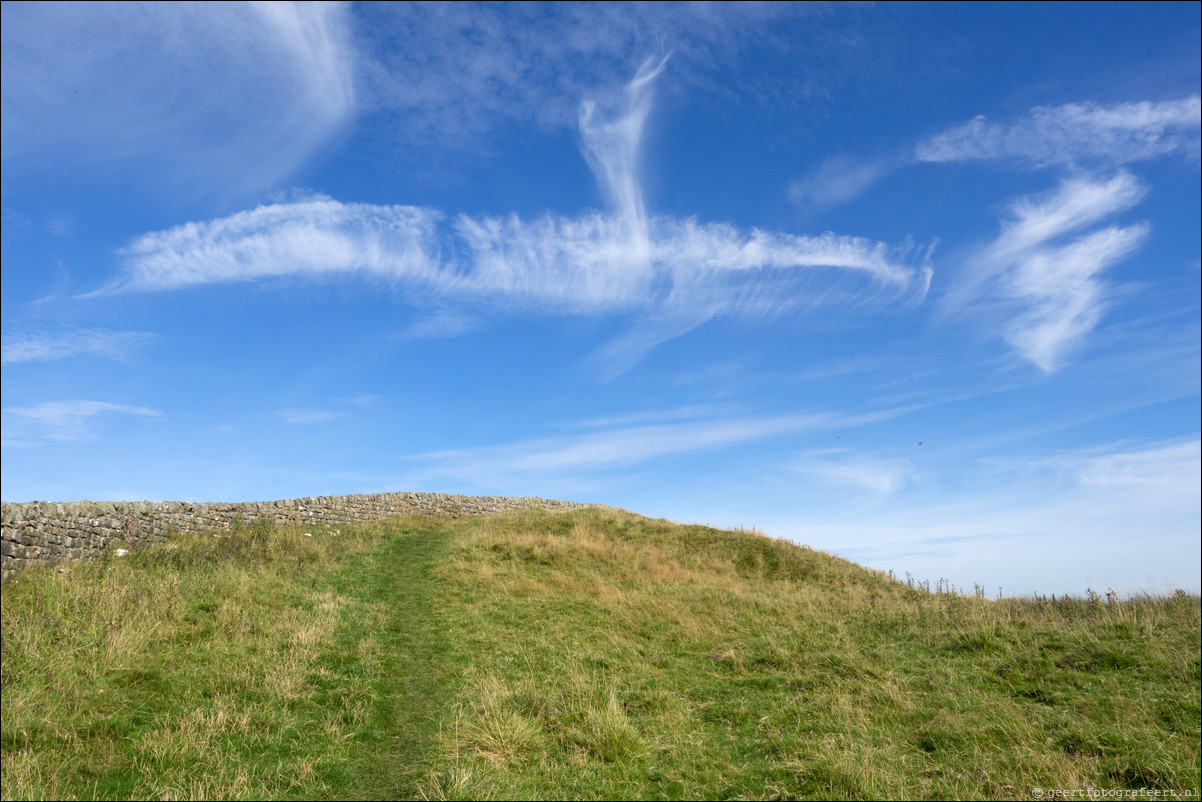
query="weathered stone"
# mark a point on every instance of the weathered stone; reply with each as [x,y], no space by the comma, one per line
[41,531]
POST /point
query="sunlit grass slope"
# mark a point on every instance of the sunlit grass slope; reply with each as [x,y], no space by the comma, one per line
[614,656]
[592,654]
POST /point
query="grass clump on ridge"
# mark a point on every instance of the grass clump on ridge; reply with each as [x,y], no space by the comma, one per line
[590,654]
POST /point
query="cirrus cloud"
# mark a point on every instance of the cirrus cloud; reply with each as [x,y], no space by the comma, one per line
[61,420]
[41,345]
[206,98]
[1117,133]
[1049,286]
[671,273]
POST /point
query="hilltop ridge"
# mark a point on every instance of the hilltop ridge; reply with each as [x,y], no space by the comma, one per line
[584,653]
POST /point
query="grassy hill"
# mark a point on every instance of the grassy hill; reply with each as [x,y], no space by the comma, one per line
[592,654]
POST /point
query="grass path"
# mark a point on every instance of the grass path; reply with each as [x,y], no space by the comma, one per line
[412,660]
[254,664]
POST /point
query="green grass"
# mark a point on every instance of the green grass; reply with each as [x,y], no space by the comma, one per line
[177,672]
[592,654]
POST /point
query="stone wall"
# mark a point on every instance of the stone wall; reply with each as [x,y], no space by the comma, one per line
[45,533]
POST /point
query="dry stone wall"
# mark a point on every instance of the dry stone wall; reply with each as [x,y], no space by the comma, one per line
[45,533]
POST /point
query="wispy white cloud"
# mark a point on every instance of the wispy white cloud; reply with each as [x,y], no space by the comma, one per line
[541,460]
[41,345]
[612,148]
[1170,465]
[1075,204]
[1064,295]
[882,476]
[671,274]
[686,272]
[362,399]
[1077,509]
[301,416]
[1076,132]
[60,420]
[312,238]
[687,412]
[836,181]
[440,325]
[843,367]
[455,73]
[208,97]
[727,375]
[1055,286]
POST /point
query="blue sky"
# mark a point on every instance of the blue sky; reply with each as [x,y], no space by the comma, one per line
[914,284]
